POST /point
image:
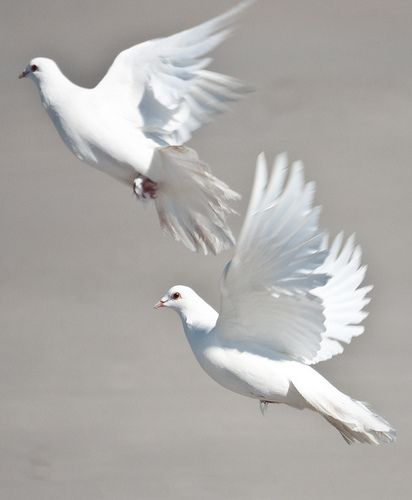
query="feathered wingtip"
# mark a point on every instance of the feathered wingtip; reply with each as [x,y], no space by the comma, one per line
[225,20]
[218,28]
[344,297]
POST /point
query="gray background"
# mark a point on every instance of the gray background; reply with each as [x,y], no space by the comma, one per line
[100,395]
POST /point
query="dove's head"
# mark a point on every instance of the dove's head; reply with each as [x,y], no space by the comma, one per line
[190,307]
[40,69]
[179,297]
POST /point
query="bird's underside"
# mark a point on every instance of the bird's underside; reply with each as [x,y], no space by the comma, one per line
[144,187]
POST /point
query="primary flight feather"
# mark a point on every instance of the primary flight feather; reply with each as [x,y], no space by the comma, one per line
[288,301]
[134,123]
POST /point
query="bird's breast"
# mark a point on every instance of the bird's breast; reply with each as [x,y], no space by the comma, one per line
[245,373]
[104,141]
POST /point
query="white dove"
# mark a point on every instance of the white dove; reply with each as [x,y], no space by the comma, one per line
[133,124]
[287,302]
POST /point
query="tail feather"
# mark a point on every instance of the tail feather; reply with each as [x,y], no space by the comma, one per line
[352,418]
[366,435]
[191,203]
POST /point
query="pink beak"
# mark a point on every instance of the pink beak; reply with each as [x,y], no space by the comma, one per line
[24,74]
[161,303]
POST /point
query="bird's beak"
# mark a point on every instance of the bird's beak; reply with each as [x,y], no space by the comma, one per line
[160,304]
[24,74]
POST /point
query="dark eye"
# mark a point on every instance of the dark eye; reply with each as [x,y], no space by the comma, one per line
[176,296]
[34,68]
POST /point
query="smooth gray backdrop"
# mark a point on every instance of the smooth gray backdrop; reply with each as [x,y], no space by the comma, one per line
[100,396]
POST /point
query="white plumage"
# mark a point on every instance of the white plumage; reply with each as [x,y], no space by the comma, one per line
[287,301]
[341,296]
[133,124]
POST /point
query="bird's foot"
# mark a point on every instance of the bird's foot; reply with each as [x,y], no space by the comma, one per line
[144,188]
[263,405]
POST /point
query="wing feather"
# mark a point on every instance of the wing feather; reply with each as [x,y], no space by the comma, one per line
[266,288]
[343,300]
[284,289]
[161,85]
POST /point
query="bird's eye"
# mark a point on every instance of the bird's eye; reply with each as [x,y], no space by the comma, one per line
[34,68]
[176,296]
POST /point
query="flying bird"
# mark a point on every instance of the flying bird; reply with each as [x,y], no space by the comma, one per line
[133,125]
[288,301]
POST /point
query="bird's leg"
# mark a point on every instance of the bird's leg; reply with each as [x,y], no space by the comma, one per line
[263,405]
[144,188]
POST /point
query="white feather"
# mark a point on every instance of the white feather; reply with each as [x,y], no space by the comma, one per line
[165,82]
[342,299]
[266,287]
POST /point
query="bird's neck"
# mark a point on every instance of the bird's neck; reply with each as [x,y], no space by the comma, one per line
[56,89]
[199,320]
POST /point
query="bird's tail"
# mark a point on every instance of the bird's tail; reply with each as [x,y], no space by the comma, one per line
[353,419]
[192,204]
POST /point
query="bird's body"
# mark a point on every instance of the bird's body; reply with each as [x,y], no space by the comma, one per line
[133,126]
[98,133]
[242,371]
[288,301]
[272,378]
[246,372]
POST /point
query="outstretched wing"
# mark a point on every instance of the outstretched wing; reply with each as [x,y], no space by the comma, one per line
[162,87]
[342,298]
[266,287]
